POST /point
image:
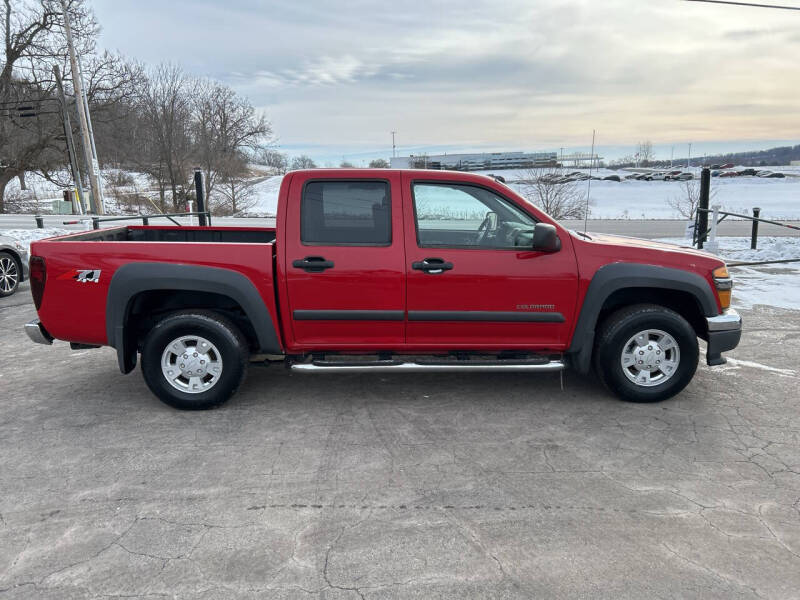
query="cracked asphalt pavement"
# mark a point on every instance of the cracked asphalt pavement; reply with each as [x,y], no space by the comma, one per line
[376,486]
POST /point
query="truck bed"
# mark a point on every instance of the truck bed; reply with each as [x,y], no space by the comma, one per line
[137,233]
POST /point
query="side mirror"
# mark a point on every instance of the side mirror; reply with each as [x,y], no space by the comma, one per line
[545,238]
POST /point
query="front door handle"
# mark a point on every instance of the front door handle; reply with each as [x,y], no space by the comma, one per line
[433,266]
[313,264]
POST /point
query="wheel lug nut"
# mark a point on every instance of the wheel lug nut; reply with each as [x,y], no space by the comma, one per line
[202,362]
[185,356]
[649,347]
[195,354]
[182,365]
[641,351]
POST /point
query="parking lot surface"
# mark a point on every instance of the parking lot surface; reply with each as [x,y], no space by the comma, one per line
[376,486]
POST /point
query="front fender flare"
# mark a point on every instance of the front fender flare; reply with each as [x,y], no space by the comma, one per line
[610,278]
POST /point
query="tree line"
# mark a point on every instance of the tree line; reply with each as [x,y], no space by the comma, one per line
[156,120]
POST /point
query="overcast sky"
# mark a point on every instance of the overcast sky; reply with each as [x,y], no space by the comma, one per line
[336,77]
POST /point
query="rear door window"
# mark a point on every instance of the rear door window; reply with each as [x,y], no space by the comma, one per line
[346,213]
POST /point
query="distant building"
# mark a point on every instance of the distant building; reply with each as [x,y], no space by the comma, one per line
[795,163]
[477,161]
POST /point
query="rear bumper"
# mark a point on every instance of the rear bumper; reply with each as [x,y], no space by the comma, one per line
[38,333]
[724,333]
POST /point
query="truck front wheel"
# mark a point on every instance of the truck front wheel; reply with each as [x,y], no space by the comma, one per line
[194,360]
[646,353]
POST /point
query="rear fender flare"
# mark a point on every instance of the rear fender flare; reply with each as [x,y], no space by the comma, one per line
[134,278]
[610,278]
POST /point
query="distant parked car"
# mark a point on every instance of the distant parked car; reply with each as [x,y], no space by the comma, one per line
[715,173]
[771,175]
[727,174]
[656,176]
[13,265]
[746,172]
[727,166]
[716,167]
[684,177]
[612,178]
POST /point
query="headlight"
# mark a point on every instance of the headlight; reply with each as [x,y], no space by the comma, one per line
[724,284]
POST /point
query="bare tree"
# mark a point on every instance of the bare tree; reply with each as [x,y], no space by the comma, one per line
[234,190]
[550,190]
[688,199]
[644,153]
[303,162]
[167,110]
[379,163]
[225,126]
[277,161]
[32,42]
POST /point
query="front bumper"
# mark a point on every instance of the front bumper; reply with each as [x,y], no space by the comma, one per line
[38,333]
[724,333]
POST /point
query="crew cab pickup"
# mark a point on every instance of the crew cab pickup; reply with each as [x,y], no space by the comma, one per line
[385,270]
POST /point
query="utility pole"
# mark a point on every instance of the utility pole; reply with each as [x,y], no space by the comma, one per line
[77,84]
[671,156]
[73,157]
[95,162]
[394,153]
[689,159]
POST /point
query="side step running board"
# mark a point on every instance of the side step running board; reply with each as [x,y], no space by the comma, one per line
[391,366]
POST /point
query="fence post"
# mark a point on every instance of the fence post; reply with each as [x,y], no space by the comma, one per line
[201,204]
[754,232]
[702,206]
[711,244]
[95,222]
[145,221]
[39,221]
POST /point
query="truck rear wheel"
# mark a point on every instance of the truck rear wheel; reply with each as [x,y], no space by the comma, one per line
[646,353]
[194,360]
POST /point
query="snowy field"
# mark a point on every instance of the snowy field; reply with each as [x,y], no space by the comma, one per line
[771,285]
[778,198]
[631,199]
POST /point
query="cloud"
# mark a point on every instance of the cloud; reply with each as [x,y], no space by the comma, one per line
[513,73]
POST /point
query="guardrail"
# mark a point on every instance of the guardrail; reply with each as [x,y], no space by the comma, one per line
[204,219]
[700,238]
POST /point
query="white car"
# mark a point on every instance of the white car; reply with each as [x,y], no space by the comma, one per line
[13,265]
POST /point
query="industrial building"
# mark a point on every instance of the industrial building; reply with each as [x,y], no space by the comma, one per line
[477,161]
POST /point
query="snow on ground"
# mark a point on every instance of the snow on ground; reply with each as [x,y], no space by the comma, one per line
[633,199]
[772,285]
[264,196]
[26,236]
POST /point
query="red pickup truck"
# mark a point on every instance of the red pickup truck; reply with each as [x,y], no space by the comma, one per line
[385,270]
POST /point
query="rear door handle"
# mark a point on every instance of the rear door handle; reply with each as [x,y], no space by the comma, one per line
[433,266]
[312,264]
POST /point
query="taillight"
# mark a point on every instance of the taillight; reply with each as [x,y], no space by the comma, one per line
[38,277]
[724,284]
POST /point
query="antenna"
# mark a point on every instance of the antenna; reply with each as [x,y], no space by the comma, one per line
[589,187]
[394,154]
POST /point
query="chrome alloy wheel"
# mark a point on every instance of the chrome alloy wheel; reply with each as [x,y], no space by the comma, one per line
[650,357]
[191,364]
[9,275]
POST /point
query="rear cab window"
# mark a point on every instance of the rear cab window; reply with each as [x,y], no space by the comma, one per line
[346,213]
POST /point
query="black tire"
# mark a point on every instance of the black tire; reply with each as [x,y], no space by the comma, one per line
[9,266]
[215,328]
[618,328]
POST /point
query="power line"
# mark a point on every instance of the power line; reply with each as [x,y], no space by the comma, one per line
[749,4]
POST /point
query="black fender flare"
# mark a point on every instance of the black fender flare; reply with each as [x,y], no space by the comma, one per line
[134,278]
[616,276]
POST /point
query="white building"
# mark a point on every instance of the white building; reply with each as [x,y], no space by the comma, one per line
[476,161]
